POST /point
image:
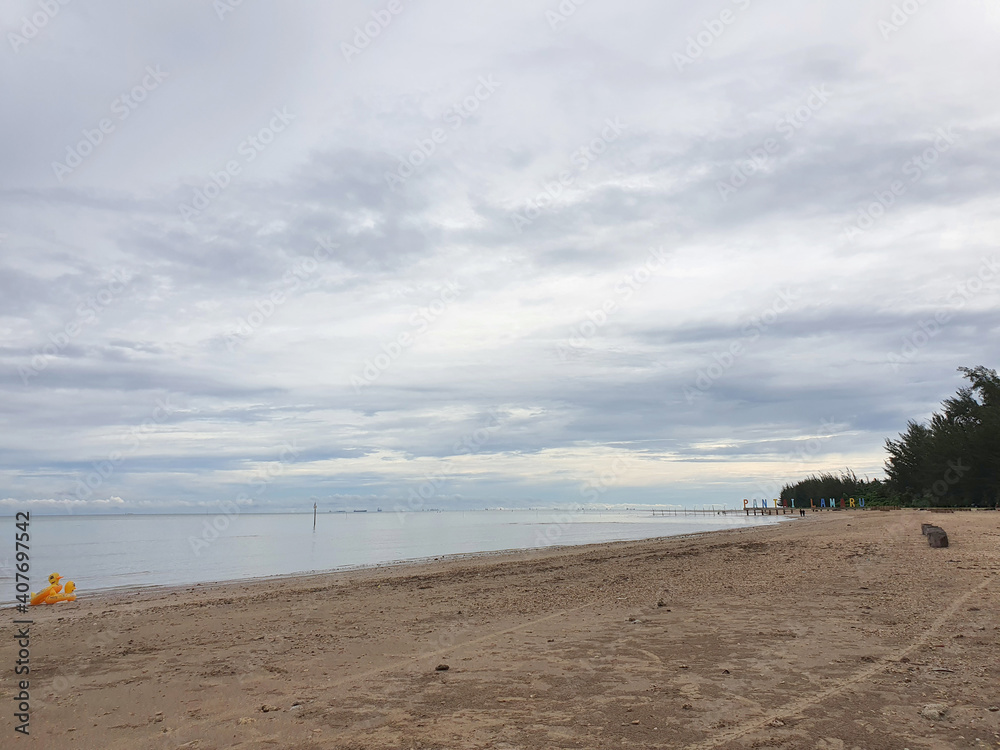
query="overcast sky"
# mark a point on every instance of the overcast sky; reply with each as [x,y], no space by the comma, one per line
[451,254]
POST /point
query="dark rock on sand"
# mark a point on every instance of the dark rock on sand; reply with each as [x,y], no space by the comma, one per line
[937,537]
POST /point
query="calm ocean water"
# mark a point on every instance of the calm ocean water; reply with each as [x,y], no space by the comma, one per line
[101,552]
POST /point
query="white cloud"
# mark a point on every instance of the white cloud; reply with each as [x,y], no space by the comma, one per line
[239,264]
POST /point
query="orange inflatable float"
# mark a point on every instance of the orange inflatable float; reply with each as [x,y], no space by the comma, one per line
[53,589]
[52,594]
[69,596]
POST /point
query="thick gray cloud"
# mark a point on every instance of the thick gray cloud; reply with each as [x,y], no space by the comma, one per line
[678,252]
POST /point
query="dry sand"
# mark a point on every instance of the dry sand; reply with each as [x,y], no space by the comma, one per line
[833,631]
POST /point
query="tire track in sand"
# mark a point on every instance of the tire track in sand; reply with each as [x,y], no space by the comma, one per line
[839,686]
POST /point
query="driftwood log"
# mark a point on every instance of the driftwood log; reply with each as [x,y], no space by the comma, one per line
[937,537]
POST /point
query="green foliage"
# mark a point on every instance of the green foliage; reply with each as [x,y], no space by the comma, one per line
[828,485]
[952,460]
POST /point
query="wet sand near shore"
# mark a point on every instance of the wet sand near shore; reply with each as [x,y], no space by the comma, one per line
[835,631]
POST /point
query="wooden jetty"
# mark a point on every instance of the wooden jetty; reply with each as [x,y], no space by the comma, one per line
[777,509]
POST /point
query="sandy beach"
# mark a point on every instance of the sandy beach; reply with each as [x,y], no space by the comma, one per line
[833,631]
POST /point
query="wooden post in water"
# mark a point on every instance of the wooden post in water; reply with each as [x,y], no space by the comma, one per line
[314,516]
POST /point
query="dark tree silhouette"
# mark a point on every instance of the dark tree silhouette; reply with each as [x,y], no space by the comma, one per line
[955,458]
[952,460]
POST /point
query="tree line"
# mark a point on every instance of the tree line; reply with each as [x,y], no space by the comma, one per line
[951,460]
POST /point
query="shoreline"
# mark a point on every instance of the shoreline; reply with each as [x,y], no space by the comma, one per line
[125,589]
[837,632]
[513,554]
